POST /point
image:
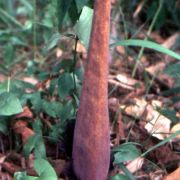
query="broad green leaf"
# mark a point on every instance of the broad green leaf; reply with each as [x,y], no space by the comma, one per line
[23,176]
[30,145]
[67,111]
[146,44]
[80,73]
[119,177]
[83,26]
[125,152]
[36,100]
[53,109]
[169,113]
[65,64]
[176,99]
[173,70]
[27,4]
[44,170]
[35,143]
[172,91]
[17,87]
[56,133]
[17,41]
[37,126]
[8,54]
[9,104]
[40,149]
[65,85]
[9,18]
[53,41]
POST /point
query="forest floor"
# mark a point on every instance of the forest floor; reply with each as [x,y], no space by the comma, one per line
[144,109]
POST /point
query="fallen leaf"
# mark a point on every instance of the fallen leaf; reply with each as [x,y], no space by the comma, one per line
[176,128]
[26,113]
[20,127]
[156,124]
[174,175]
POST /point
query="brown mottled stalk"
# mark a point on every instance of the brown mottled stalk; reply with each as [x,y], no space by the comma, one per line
[91,151]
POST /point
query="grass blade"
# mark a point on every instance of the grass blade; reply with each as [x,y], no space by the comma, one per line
[146,44]
[161,143]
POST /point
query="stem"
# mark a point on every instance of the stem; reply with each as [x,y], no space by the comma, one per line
[91,145]
[126,171]
[34,30]
[8,83]
[74,63]
[148,34]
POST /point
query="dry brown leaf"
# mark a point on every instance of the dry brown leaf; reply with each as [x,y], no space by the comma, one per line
[176,128]
[135,165]
[10,167]
[157,71]
[80,48]
[124,81]
[20,127]
[157,124]
[30,80]
[171,40]
[174,175]
[59,52]
[26,113]
[120,49]
[138,9]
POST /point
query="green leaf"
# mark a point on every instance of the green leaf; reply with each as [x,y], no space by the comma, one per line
[30,145]
[17,41]
[65,64]
[36,100]
[169,113]
[40,149]
[44,170]
[146,44]
[173,70]
[23,176]
[172,91]
[9,18]
[119,177]
[65,85]
[27,4]
[53,41]
[8,54]
[83,26]
[9,104]
[67,111]
[53,109]
[125,152]
[35,143]
[17,87]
